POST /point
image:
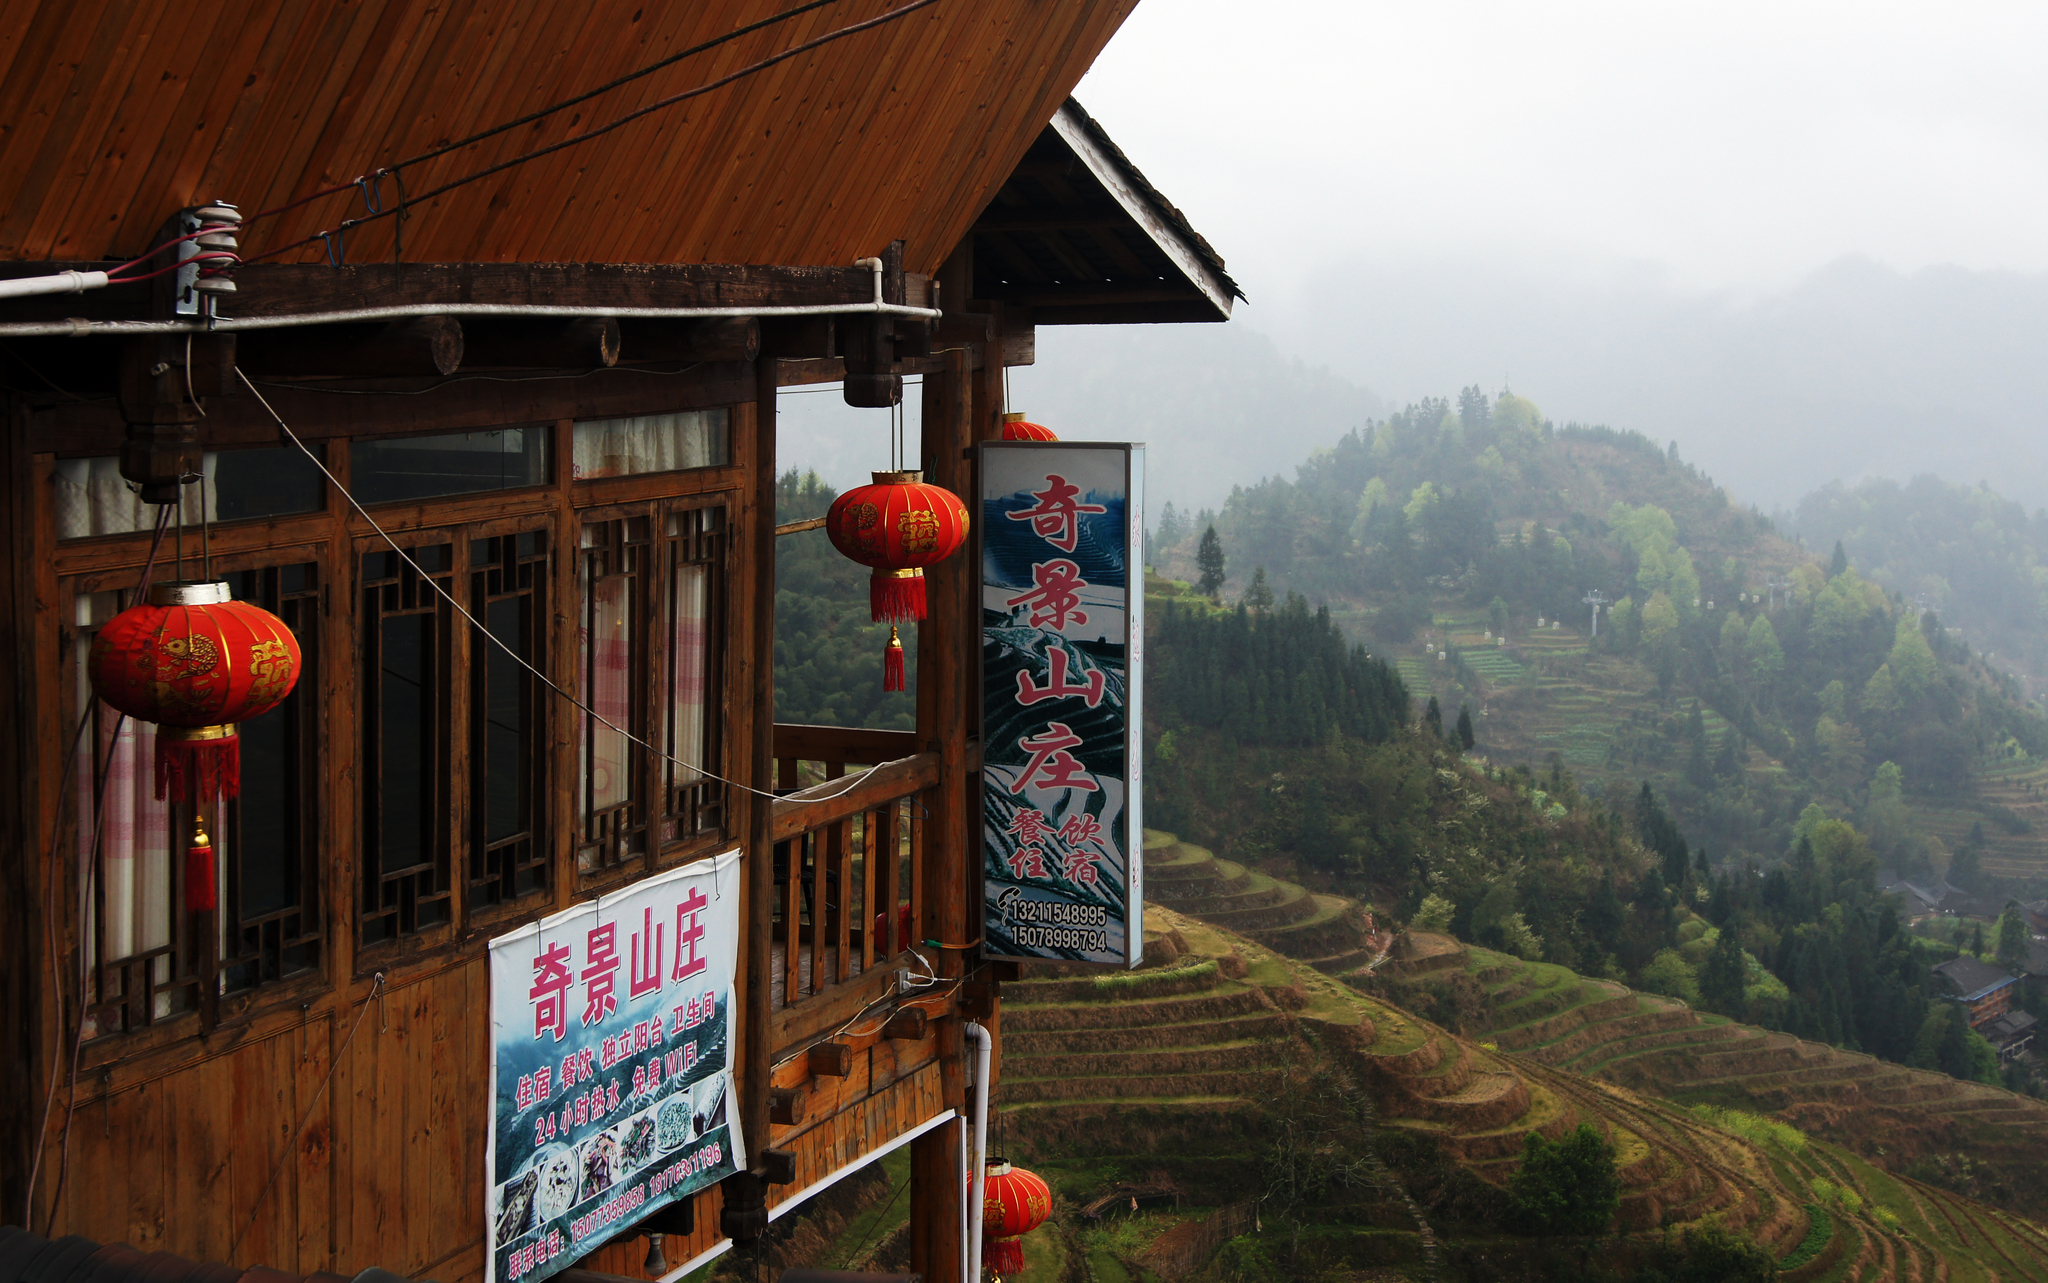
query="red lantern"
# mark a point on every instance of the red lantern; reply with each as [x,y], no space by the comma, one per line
[1014,1202]
[898,525]
[195,662]
[1017,428]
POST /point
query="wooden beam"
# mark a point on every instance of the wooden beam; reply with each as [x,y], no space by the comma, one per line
[830,1060]
[1041,218]
[786,1106]
[843,743]
[798,812]
[735,338]
[579,343]
[910,1025]
[433,345]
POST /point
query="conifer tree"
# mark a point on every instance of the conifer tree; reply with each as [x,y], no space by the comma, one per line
[1465,738]
[1433,718]
[1209,560]
[2012,938]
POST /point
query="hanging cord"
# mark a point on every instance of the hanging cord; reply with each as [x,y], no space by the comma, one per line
[601,130]
[163,517]
[376,994]
[851,781]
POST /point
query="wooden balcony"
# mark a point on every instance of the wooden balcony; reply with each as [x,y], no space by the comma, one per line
[849,870]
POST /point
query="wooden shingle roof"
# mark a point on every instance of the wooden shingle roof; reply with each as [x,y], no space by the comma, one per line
[114,113]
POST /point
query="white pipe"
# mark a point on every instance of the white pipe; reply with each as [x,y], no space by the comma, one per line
[66,282]
[81,328]
[78,327]
[970,1250]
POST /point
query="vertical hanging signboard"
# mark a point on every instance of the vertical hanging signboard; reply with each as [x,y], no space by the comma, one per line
[611,1066]
[1062,633]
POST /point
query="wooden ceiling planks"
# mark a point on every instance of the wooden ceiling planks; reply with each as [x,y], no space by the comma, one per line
[899,131]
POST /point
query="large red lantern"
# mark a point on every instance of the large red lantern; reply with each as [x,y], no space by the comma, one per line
[195,662]
[1017,428]
[898,525]
[1014,1202]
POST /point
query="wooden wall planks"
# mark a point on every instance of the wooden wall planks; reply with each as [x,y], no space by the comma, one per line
[146,108]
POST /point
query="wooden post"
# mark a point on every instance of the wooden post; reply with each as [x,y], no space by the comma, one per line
[745,1215]
[946,671]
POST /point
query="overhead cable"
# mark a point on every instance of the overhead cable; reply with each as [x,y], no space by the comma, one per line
[348,225]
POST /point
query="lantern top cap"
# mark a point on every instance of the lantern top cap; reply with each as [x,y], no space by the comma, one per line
[897,478]
[998,1167]
[190,592]
[1013,416]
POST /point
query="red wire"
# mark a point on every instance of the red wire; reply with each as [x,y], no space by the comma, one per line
[196,258]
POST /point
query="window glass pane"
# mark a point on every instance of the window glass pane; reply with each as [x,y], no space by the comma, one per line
[403,468]
[609,643]
[93,498]
[652,443]
[406,707]
[506,730]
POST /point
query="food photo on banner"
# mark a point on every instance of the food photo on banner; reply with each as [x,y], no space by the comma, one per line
[611,1073]
[1061,672]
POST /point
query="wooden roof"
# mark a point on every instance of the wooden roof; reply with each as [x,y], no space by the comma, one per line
[1077,235]
[115,113]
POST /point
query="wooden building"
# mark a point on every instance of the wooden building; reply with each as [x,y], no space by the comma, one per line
[544,354]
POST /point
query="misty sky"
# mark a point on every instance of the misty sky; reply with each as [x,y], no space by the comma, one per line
[1805,241]
[1733,145]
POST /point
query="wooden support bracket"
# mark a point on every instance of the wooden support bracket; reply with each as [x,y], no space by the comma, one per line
[786,1106]
[422,345]
[778,1166]
[908,1025]
[978,999]
[579,343]
[831,1060]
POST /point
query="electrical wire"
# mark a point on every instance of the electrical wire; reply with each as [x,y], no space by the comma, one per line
[348,225]
[851,781]
[85,900]
[393,168]
[468,378]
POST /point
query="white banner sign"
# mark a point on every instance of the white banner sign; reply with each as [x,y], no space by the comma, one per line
[611,1071]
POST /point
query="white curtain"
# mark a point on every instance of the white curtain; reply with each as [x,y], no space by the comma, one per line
[607,659]
[686,693]
[94,499]
[650,443]
[134,871]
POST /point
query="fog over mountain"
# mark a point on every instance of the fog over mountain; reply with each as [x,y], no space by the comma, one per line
[1856,371]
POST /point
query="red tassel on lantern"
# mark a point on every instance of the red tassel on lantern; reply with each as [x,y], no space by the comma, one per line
[896,595]
[892,662]
[1004,1257]
[200,878]
[198,762]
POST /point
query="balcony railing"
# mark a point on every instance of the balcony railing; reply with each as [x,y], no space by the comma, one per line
[849,865]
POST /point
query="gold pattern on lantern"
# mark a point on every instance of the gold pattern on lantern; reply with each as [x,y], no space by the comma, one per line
[920,530]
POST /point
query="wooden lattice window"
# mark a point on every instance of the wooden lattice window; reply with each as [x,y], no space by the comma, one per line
[404,697]
[508,706]
[148,959]
[270,913]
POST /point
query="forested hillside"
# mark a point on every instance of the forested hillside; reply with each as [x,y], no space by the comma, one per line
[1744,676]
[828,653]
[1965,551]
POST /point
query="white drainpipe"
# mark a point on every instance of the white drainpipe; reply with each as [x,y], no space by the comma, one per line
[970,1242]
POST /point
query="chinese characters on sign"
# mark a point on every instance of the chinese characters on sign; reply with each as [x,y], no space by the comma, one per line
[1062,633]
[611,1065]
